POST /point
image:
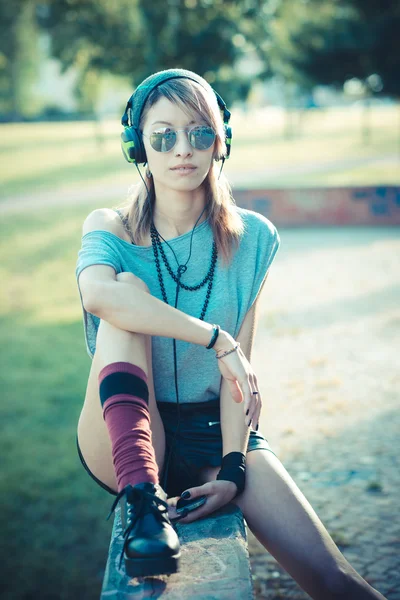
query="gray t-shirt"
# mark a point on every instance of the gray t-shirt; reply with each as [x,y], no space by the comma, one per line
[234,290]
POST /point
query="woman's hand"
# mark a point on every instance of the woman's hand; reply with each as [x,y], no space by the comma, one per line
[218,494]
[241,379]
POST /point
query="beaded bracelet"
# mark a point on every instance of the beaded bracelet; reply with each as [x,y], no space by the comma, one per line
[229,351]
[214,337]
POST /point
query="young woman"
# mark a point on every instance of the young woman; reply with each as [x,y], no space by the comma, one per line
[170,286]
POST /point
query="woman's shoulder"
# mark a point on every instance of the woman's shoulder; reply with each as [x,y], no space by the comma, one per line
[257,224]
[105,219]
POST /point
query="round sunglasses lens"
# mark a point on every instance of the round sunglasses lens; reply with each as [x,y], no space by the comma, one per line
[163,141]
[201,138]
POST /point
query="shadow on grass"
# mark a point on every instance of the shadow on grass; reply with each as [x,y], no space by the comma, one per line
[53,515]
[60,174]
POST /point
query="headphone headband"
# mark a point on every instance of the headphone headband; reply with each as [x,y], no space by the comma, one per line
[131,117]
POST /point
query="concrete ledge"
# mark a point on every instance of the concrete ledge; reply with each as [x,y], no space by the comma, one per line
[214,563]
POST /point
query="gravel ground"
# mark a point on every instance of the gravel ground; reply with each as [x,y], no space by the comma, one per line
[326,356]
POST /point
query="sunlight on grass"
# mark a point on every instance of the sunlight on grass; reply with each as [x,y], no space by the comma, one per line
[32,242]
[13,134]
[38,263]
[63,153]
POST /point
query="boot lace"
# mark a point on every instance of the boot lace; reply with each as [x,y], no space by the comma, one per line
[144,502]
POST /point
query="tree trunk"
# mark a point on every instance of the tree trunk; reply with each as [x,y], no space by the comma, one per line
[24,63]
[366,122]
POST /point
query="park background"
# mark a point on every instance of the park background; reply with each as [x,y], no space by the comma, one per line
[314,91]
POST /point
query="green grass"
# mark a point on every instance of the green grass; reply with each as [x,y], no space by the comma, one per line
[326,144]
[55,537]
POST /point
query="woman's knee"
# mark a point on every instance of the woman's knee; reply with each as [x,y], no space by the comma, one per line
[127,277]
[115,344]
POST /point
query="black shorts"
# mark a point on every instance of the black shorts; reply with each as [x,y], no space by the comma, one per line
[190,446]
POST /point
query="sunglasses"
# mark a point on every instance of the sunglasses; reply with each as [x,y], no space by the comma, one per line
[201,137]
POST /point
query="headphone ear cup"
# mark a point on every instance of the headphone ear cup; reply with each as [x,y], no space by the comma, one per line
[228,140]
[132,146]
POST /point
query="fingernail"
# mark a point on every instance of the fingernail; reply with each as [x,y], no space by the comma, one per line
[247,411]
[257,427]
[185,495]
[249,423]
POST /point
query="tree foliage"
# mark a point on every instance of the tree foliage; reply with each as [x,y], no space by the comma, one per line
[138,37]
[305,42]
[329,42]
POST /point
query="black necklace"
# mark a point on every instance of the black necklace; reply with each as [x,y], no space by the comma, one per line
[157,248]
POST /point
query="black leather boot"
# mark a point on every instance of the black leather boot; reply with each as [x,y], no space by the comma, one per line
[151,545]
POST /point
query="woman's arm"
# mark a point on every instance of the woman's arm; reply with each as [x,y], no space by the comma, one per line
[235,431]
[130,307]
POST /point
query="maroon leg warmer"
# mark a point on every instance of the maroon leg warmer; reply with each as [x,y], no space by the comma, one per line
[124,398]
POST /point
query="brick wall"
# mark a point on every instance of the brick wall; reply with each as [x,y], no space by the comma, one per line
[325,206]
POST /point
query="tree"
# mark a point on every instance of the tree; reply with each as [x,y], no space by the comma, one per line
[18,57]
[136,37]
[330,42]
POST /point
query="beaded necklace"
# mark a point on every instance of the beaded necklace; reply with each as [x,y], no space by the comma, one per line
[158,249]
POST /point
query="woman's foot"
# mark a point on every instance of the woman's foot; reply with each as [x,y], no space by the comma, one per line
[151,545]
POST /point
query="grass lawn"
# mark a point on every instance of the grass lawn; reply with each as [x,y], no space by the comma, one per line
[55,537]
[324,151]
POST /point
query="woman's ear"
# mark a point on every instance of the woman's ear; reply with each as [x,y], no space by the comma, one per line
[216,156]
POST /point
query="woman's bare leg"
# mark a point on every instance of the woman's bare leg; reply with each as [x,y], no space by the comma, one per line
[286,525]
[116,345]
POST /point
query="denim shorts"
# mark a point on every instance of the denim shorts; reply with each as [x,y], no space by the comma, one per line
[193,441]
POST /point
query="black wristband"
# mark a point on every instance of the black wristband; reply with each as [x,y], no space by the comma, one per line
[233,469]
[214,337]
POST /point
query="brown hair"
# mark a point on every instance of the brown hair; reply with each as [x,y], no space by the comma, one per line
[225,221]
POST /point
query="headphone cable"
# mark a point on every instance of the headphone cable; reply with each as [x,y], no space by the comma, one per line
[181,269]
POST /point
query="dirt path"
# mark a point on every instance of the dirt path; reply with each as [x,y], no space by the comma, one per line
[327,356]
[115,189]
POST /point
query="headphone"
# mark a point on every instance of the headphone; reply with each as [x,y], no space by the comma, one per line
[131,138]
